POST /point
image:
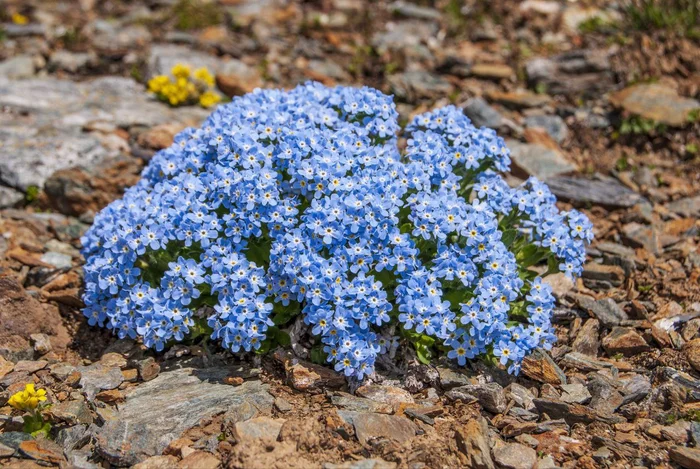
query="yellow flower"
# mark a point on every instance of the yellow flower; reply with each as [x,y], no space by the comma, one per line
[208,99]
[28,399]
[181,71]
[203,75]
[18,18]
[156,84]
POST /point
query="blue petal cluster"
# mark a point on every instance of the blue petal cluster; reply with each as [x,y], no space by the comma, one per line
[301,202]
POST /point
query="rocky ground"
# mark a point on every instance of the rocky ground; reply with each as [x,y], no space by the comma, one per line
[597,98]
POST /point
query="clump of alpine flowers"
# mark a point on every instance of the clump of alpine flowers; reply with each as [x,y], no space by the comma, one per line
[301,203]
[184,87]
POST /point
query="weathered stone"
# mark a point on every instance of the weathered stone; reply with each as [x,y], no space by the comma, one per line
[200,460]
[73,437]
[6,366]
[20,66]
[10,197]
[494,71]
[41,343]
[553,125]
[12,440]
[612,274]
[481,114]
[642,236]
[605,310]
[490,396]
[580,71]
[604,191]
[30,366]
[115,42]
[98,377]
[691,350]
[6,451]
[413,85]
[521,99]
[235,78]
[368,426]
[42,450]
[69,61]
[163,57]
[360,404]
[71,412]
[386,394]
[148,368]
[58,260]
[306,376]
[575,393]
[572,413]
[624,340]
[540,367]
[688,207]
[158,411]
[362,464]
[521,396]
[411,10]
[688,458]
[530,159]
[21,315]
[158,462]
[587,339]
[514,456]
[655,102]
[605,399]
[473,444]
[258,428]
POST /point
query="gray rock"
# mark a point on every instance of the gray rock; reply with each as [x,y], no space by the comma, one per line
[587,339]
[29,162]
[58,260]
[521,396]
[69,61]
[482,114]
[73,437]
[72,412]
[413,85]
[606,310]
[688,458]
[585,363]
[98,377]
[258,428]
[408,37]
[359,404]
[20,66]
[514,456]
[688,207]
[553,125]
[636,388]
[24,30]
[410,10]
[13,439]
[370,425]
[581,71]
[9,197]
[163,57]
[532,159]
[575,393]
[490,396]
[158,411]
[362,464]
[604,191]
[115,42]
[473,442]
[451,378]
[656,102]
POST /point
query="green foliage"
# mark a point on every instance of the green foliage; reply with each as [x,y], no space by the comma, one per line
[637,125]
[32,193]
[622,164]
[596,24]
[681,16]
[196,14]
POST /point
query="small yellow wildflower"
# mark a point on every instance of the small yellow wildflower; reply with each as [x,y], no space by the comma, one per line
[208,99]
[203,75]
[156,84]
[28,399]
[181,71]
[19,18]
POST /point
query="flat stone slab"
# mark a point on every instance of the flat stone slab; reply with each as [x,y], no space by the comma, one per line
[159,411]
[539,161]
[656,102]
[604,191]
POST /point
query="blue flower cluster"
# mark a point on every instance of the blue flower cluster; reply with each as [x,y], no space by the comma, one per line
[300,202]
